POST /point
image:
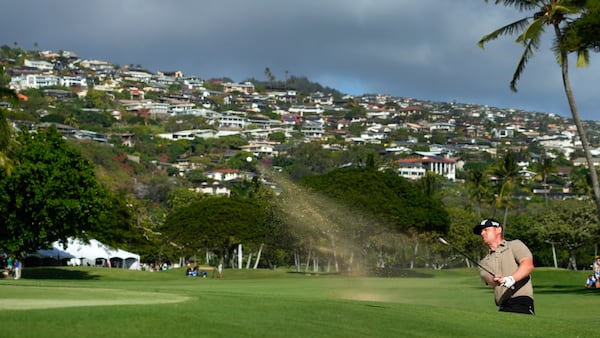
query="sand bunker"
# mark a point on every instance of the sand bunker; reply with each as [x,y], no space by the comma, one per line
[103,297]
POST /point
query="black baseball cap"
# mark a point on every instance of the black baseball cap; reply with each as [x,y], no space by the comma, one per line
[486,223]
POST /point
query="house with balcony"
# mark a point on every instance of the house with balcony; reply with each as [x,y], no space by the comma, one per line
[245,88]
[233,119]
[416,168]
[261,148]
[313,130]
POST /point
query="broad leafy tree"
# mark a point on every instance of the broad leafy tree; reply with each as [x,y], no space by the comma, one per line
[584,33]
[386,196]
[581,181]
[569,224]
[558,15]
[7,144]
[51,195]
[6,131]
[117,226]
[181,197]
[217,225]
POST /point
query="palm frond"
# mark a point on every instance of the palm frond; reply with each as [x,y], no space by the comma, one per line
[583,58]
[531,46]
[532,32]
[565,9]
[521,5]
[509,29]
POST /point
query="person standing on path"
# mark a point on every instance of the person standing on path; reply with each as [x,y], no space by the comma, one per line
[17,268]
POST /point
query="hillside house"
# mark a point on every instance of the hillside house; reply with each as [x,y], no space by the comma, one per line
[245,88]
[415,168]
[224,175]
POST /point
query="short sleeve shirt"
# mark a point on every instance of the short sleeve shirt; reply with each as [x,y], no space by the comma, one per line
[505,261]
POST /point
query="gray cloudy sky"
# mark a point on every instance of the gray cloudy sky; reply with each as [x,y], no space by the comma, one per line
[424,49]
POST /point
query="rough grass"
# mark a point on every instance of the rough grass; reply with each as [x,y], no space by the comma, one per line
[97,302]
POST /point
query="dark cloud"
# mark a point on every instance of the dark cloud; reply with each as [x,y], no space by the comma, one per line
[424,49]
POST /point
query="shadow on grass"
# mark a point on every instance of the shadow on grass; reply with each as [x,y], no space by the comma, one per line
[551,289]
[57,273]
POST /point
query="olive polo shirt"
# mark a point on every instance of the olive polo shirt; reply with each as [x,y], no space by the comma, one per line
[504,261]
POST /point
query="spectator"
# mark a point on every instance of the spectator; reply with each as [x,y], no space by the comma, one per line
[590,282]
[596,268]
[17,268]
[9,265]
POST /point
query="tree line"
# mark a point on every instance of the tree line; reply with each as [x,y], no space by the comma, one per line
[350,219]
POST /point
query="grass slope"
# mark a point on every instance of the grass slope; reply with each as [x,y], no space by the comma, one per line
[95,302]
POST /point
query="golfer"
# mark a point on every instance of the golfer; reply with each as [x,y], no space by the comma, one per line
[512,263]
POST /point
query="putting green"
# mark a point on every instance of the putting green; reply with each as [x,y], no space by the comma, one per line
[58,297]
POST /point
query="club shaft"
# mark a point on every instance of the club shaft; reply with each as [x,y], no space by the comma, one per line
[469,258]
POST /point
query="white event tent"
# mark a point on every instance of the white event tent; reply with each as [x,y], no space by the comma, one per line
[96,253]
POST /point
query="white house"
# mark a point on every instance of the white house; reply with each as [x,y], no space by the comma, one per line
[189,134]
[215,188]
[415,168]
[39,64]
[226,175]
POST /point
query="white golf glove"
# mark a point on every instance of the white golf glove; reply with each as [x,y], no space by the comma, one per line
[508,282]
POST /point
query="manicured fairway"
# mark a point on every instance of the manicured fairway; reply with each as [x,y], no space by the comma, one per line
[96,302]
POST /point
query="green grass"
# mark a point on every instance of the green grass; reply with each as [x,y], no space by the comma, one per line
[96,302]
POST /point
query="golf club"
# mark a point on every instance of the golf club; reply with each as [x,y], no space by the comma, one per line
[466,256]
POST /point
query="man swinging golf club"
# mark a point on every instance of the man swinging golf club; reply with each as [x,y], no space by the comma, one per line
[512,264]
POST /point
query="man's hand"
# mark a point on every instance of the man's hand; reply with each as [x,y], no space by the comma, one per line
[507,282]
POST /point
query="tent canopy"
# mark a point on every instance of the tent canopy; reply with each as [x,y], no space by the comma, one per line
[54,252]
[96,253]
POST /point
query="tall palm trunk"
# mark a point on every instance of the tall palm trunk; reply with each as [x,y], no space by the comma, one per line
[575,113]
[546,190]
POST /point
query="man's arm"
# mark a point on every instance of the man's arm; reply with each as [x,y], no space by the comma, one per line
[523,271]
[487,278]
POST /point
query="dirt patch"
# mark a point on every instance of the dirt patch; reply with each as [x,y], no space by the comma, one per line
[365,296]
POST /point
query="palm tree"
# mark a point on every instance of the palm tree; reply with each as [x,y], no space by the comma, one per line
[478,187]
[71,120]
[430,184]
[270,76]
[545,168]
[507,175]
[560,15]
